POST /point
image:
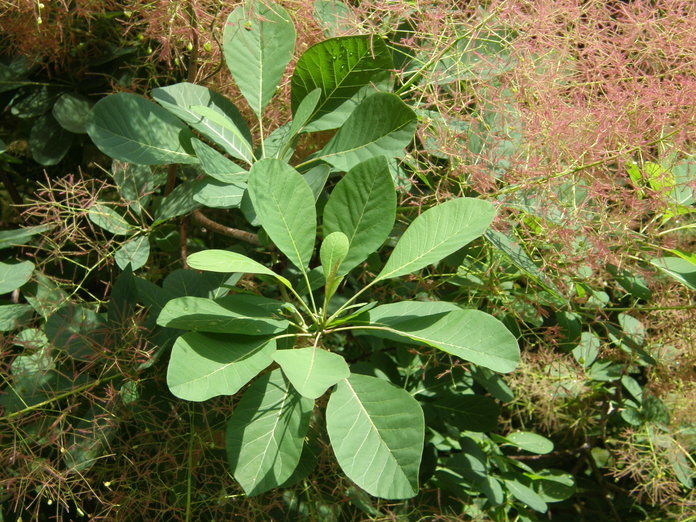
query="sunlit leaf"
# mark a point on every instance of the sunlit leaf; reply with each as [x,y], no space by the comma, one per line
[436,233]
[258,43]
[130,128]
[312,370]
[266,432]
[202,366]
[376,432]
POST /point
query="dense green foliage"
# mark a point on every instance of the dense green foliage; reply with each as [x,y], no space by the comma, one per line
[322,343]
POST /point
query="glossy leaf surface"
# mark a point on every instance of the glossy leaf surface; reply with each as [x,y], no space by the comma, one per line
[339,67]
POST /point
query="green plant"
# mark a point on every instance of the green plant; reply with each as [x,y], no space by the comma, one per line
[376,429]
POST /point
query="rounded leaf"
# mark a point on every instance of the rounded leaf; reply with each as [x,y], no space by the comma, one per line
[376,432]
[312,371]
[72,112]
[130,128]
[202,366]
[266,432]
[531,442]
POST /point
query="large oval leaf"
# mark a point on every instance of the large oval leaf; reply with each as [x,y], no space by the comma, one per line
[241,314]
[130,128]
[436,233]
[206,365]
[312,370]
[227,128]
[376,432]
[266,432]
[339,67]
[469,334]
[381,124]
[284,205]
[363,207]
[258,43]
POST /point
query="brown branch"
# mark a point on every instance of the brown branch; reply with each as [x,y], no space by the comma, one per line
[10,187]
[234,233]
[171,179]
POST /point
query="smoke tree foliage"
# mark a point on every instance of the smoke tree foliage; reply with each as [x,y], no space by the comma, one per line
[274,351]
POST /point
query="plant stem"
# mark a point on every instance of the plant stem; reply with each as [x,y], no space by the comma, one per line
[234,233]
[347,303]
[171,179]
[64,395]
[189,478]
[10,187]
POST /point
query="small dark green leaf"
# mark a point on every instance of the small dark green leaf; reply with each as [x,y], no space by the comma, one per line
[587,350]
[108,219]
[179,202]
[526,495]
[13,316]
[48,141]
[531,442]
[136,183]
[134,252]
[21,236]
[81,332]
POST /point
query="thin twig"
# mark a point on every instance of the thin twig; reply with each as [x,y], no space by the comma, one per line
[234,233]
